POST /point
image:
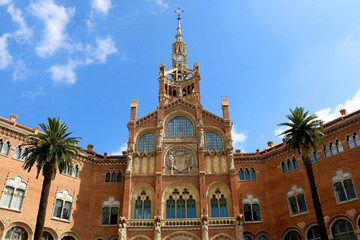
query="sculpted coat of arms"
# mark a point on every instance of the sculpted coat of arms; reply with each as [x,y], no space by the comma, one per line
[180,160]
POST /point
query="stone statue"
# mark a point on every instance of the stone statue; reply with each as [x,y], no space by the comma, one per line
[129,165]
[239,229]
[171,164]
[205,229]
[157,231]
[131,147]
[162,69]
[231,163]
[160,138]
[201,138]
[122,228]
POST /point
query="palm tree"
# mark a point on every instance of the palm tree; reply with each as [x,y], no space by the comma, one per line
[51,150]
[303,134]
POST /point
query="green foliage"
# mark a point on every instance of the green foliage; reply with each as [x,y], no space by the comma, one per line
[54,145]
[302,130]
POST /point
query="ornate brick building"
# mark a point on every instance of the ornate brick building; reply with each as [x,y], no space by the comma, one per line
[179,178]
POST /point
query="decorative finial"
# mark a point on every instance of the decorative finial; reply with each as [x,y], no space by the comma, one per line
[179,11]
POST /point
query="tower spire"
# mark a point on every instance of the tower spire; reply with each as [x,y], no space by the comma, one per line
[179,34]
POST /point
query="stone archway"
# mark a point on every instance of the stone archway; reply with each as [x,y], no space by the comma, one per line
[182,236]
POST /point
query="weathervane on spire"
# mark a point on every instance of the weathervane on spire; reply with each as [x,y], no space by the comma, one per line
[179,11]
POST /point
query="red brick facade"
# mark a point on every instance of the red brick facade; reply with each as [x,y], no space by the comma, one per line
[183,164]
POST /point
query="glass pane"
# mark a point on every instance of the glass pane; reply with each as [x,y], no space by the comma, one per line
[223,207]
[105,216]
[317,156]
[311,157]
[147,208]
[58,208]
[16,233]
[241,174]
[289,165]
[180,208]
[119,176]
[47,236]
[138,209]
[342,230]
[146,143]
[339,146]
[107,177]
[170,208]
[350,142]
[357,140]
[313,233]
[302,203]
[292,235]
[179,126]
[349,188]
[263,237]
[283,167]
[293,206]
[295,163]
[247,213]
[5,149]
[191,208]
[7,197]
[113,176]
[67,211]
[333,149]
[17,153]
[340,193]
[253,175]
[256,212]
[213,141]
[247,238]
[214,207]
[326,151]
[17,200]
[247,174]
[114,215]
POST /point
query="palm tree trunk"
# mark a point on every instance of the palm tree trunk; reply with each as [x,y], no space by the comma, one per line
[314,192]
[40,221]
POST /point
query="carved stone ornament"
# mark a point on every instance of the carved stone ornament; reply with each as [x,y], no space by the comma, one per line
[180,161]
[239,228]
[129,165]
[301,225]
[122,228]
[6,220]
[326,219]
[351,212]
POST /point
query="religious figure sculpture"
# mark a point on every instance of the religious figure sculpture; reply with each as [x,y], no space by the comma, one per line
[131,147]
[201,138]
[157,231]
[160,138]
[129,165]
[122,228]
[162,70]
[205,228]
[239,229]
[231,163]
[171,164]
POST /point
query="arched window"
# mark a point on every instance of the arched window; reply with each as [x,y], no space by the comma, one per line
[295,163]
[327,152]
[343,186]
[339,146]
[350,142]
[241,174]
[333,149]
[213,141]
[17,152]
[76,171]
[47,236]
[113,176]
[289,165]
[218,205]
[251,207]
[146,143]
[283,167]
[180,204]
[110,212]
[13,194]
[17,233]
[342,230]
[68,238]
[313,233]
[179,126]
[119,176]
[247,237]
[143,206]
[263,237]
[107,176]
[296,201]
[63,205]
[357,139]
[5,148]
[247,174]
[253,174]
[292,235]
[317,156]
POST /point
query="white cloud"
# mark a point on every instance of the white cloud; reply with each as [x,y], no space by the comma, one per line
[279,131]
[4,2]
[64,73]
[120,149]
[159,4]
[102,6]
[55,18]
[104,48]
[237,137]
[350,105]
[24,33]
[5,57]
[31,95]
[20,71]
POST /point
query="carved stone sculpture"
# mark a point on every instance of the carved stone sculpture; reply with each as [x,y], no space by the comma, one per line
[239,229]
[231,163]
[180,161]
[171,164]
[131,147]
[160,138]
[129,165]
[201,138]
[122,228]
[205,229]
[157,234]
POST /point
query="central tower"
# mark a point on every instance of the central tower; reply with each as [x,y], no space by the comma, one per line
[179,81]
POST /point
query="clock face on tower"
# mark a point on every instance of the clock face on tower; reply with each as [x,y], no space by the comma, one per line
[179,57]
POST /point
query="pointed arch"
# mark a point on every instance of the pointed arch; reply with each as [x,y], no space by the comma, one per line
[222,236]
[140,237]
[181,235]
[146,193]
[221,191]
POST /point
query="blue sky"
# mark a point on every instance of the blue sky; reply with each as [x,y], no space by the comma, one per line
[83,61]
